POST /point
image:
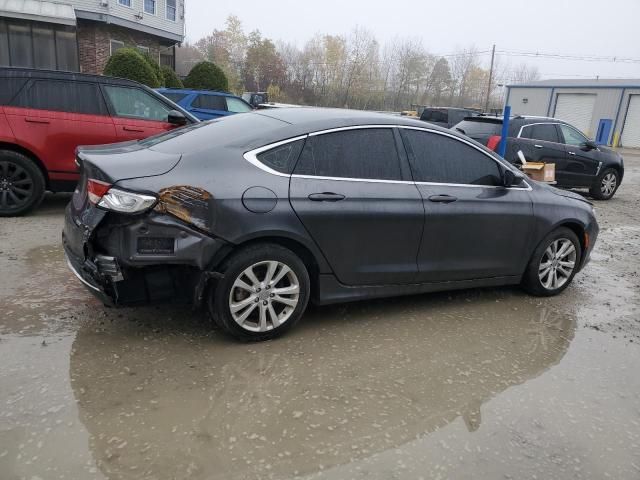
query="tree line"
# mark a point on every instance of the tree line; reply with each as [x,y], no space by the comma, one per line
[354,70]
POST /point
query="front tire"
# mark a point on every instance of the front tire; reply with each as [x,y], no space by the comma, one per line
[263,293]
[22,184]
[553,264]
[606,184]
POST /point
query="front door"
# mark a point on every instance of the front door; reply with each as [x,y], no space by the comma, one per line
[136,114]
[541,142]
[474,227]
[357,202]
[581,162]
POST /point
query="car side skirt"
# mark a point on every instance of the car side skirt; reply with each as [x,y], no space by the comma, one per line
[330,290]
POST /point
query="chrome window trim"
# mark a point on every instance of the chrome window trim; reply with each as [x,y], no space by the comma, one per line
[251,157]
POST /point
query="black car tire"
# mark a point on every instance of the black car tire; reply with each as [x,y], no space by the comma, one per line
[598,190]
[220,295]
[531,281]
[22,184]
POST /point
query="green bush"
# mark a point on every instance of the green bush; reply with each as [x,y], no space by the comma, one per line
[171,79]
[129,63]
[206,76]
[155,66]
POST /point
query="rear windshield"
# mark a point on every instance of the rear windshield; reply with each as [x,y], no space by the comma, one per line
[479,127]
[433,115]
[174,96]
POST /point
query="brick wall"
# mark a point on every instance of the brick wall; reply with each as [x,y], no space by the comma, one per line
[94,43]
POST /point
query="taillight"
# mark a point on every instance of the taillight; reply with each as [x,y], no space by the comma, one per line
[493,142]
[96,190]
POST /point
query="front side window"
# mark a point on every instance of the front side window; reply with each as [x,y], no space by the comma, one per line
[135,103]
[439,158]
[171,10]
[572,136]
[150,6]
[61,96]
[368,153]
[545,132]
[210,102]
[237,106]
[282,158]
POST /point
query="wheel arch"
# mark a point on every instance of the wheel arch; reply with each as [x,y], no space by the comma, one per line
[27,153]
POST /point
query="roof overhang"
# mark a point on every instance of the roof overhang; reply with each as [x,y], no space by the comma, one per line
[38,10]
[106,18]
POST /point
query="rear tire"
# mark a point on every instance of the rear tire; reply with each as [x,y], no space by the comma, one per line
[606,184]
[553,264]
[263,293]
[22,184]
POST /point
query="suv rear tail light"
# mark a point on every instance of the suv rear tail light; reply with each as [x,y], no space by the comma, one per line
[493,142]
[96,190]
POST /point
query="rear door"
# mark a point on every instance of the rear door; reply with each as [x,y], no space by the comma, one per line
[206,106]
[136,113]
[541,142]
[474,228]
[581,163]
[52,117]
[352,191]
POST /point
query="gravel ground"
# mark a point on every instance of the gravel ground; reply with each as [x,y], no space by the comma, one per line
[473,384]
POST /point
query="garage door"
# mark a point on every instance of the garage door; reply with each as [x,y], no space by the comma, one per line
[576,109]
[631,129]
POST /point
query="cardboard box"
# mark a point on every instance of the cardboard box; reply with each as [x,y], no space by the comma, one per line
[543,172]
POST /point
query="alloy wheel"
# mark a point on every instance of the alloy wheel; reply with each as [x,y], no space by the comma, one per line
[608,184]
[264,296]
[16,185]
[557,264]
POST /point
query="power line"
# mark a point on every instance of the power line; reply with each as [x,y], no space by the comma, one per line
[559,56]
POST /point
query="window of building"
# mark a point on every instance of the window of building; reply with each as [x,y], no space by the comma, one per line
[150,6]
[126,3]
[62,96]
[545,132]
[171,10]
[44,48]
[210,102]
[115,45]
[67,50]
[4,44]
[572,136]
[442,159]
[362,153]
[142,49]
[236,105]
[136,103]
[21,47]
[283,158]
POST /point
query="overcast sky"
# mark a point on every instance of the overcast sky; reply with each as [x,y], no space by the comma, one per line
[574,27]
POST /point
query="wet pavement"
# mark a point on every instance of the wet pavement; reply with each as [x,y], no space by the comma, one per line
[473,384]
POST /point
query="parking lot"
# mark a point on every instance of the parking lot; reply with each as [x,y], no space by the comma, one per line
[481,383]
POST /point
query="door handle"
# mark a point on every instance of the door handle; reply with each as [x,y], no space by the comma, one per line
[571,153]
[442,198]
[36,120]
[132,129]
[326,197]
[538,146]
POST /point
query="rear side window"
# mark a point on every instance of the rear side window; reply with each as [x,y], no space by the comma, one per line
[283,158]
[479,127]
[362,153]
[442,159]
[63,96]
[9,87]
[545,132]
[175,97]
[210,102]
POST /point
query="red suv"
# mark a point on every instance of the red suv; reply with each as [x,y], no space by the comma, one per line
[45,115]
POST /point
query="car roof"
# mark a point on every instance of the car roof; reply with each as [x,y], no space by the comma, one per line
[200,92]
[16,72]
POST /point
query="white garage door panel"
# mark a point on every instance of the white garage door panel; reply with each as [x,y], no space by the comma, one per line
[576,109]
[631,129]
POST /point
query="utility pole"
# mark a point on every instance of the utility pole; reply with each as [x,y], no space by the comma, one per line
[493,54]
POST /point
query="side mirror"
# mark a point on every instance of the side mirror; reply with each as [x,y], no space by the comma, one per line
[590,145]
[510,179]
[176,118]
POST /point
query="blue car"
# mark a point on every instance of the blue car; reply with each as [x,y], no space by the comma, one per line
[206,104]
